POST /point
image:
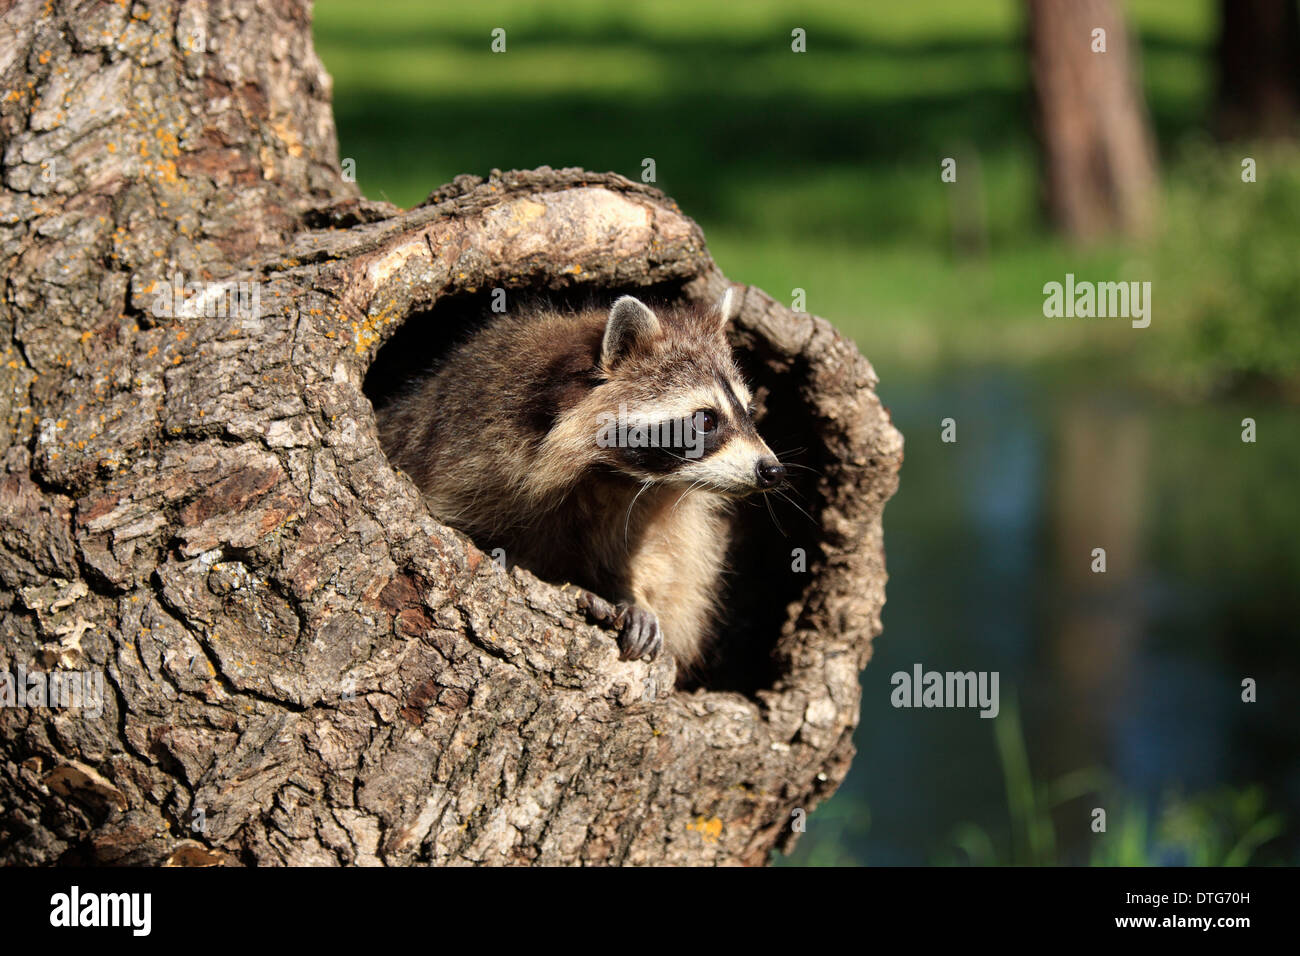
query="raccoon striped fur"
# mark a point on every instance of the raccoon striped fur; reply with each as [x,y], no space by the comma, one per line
[601,448]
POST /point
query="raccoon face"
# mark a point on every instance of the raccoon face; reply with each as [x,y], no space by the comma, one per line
[675,407]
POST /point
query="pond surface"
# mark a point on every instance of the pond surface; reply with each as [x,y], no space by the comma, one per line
[1133,677]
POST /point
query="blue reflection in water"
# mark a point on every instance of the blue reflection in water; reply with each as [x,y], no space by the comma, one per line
[1136,672]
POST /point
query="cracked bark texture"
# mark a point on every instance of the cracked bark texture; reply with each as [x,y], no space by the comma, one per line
[301,665]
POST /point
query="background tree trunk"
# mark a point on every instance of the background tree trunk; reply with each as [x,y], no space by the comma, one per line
[301,665]
[1259,68]
[1098,151]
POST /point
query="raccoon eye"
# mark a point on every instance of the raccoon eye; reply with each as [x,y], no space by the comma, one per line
[706,420]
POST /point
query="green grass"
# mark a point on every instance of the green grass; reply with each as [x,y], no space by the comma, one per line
[818,171]
[1222,827]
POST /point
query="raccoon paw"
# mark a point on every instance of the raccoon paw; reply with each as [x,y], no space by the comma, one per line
[639,633]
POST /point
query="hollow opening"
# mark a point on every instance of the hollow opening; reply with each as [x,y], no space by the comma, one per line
[776,543]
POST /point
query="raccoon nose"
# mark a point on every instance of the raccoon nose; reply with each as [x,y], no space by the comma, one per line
[769,472]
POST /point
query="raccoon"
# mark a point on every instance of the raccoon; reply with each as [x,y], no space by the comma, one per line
[604,449]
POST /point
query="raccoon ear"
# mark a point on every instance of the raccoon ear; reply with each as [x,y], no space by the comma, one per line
[728,305]
[726,310]
[630,323]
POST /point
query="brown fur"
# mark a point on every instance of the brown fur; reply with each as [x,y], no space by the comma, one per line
[501,439]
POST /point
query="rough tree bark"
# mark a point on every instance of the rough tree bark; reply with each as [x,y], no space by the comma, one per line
[1099,169]
[1259,69]
[301,665]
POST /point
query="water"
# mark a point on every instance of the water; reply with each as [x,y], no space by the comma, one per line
[1134,675]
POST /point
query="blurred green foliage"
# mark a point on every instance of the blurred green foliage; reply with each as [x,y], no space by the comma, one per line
[1232,249]
[821,170]
[1222,827]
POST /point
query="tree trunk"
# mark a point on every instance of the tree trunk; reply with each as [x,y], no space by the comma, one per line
[300,664]
[1098,151]
[1259,68]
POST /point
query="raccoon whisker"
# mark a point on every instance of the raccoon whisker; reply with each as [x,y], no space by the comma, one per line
[792,490]
[789,451]
[627,521]
[689,488]
[794,504]
[768,501]
[792,464]
[665,451]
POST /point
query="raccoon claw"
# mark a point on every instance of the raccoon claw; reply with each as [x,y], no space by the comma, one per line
[600,610]
[639,633]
